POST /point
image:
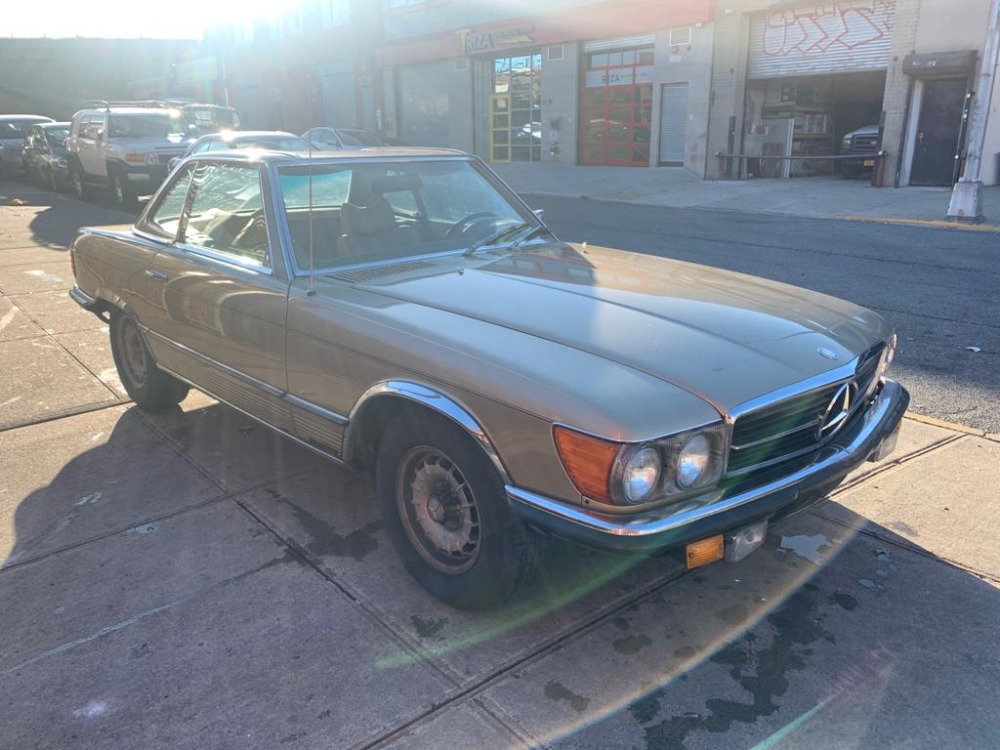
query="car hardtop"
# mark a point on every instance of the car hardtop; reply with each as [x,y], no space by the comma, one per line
[326,158]
[21,118]
[128,111]
[52,125]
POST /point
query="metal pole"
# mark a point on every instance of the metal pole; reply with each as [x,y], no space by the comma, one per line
[967,195]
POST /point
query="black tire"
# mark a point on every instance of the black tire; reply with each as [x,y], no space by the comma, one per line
[446,513]
[150,387]
[122,193]
[78,183]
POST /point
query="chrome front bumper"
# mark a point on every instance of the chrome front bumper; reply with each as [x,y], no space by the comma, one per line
[673,526]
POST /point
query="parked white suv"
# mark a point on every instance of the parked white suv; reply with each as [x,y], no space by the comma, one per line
[124,149]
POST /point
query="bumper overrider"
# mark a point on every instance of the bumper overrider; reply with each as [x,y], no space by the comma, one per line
[870,436]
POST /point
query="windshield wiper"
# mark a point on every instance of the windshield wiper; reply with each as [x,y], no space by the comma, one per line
[496,237]
[541,229]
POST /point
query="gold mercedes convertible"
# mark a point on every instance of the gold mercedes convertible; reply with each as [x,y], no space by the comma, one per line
[403,311]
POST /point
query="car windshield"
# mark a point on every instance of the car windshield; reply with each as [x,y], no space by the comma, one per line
[211,119]
[56,136]
[145,126]
[10,129]
[371,212]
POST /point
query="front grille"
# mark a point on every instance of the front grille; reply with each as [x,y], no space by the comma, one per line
[864,143]
[786,429]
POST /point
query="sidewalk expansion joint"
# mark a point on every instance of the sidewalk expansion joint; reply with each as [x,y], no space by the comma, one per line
[905,544]
[552,645]
[73,411]
[213,500]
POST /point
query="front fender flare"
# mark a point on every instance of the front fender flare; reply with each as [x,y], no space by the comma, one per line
[435,401]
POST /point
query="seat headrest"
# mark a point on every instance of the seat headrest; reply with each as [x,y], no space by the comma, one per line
[377,217]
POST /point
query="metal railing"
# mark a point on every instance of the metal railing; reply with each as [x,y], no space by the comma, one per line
[744,161]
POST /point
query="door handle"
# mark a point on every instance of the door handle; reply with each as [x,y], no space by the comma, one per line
[150,273]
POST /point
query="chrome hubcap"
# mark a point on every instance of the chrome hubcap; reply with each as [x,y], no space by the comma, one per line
[438,510]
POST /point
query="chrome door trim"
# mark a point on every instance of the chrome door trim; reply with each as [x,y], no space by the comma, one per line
[319,411]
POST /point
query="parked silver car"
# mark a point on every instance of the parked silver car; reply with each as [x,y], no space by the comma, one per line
[404,311]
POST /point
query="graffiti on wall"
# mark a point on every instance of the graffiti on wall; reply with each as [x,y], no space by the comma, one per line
[828,28]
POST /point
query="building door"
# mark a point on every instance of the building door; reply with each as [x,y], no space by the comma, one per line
[516,104]
[617,107]
[673,124]
[936,147]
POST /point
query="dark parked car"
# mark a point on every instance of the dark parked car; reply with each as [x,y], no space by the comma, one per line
[861,142]
[44,155]
[272,140]
[338,138]
[13,131]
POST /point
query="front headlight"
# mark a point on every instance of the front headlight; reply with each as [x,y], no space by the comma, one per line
[693,461]
[640,473]
[633,473]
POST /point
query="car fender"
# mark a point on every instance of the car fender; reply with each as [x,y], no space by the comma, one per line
[432,399]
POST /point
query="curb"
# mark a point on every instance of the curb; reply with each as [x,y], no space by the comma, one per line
[935,223]
[953,426]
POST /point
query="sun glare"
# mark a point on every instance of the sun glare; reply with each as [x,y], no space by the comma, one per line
[186,19]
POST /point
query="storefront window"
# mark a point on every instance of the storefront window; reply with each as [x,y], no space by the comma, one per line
[516,108]
[617,107]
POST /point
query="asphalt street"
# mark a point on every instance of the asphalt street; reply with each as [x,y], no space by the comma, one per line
[940,288]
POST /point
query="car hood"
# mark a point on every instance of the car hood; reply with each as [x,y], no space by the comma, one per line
[723,336]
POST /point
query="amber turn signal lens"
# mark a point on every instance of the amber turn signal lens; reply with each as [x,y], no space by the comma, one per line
[588,461]
[704,552]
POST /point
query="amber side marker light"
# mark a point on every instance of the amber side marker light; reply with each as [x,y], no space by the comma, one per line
[588,461]
[705,551]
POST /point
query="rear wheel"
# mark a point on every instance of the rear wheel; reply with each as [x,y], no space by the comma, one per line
[447,516]
[150,387]
[122,192]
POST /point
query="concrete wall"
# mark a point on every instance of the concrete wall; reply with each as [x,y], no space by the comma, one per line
[949,25]
[896,101]
[690,64]
[53,76]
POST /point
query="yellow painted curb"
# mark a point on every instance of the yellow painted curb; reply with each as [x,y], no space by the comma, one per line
[938,223]
[954,426]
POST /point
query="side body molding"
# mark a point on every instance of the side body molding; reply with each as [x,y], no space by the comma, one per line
[434,400]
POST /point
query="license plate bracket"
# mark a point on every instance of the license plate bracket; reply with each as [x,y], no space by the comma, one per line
[742,542]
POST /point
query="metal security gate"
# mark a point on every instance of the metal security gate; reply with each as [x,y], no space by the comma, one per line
[840,37]
[673,124]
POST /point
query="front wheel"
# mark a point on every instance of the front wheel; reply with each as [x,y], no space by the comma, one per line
[150,387]
[80,188]
[446,513]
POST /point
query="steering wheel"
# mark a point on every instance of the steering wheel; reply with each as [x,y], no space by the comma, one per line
[245,238]
[464,224]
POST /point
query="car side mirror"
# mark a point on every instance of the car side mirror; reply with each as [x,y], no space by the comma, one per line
[539,213]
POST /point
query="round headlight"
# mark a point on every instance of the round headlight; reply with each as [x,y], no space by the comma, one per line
[641,474]
[693,461]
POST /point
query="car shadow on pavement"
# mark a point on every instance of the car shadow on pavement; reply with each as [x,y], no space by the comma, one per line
[57,217]
[834,626]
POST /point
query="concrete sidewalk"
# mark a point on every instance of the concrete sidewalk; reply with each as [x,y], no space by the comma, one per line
[821,197]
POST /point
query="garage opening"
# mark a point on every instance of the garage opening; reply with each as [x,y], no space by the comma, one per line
[818,116]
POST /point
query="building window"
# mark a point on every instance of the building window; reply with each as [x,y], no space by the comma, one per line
[336,12]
